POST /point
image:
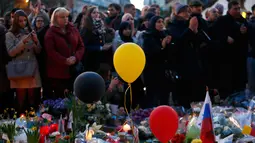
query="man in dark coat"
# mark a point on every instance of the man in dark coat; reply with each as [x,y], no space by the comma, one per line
[78,20]
[114,19]
[191,85]
[6,95]
[251,58]
[231,31]
[203,40]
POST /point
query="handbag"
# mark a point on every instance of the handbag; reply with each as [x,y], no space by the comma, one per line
[21,69]
[18,69]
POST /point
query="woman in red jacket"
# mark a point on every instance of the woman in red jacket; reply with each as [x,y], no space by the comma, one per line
[64,48]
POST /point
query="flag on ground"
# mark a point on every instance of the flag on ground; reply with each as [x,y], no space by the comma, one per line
[205,121]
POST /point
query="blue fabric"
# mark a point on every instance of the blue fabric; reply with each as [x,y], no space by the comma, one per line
[207,112]
[251,73]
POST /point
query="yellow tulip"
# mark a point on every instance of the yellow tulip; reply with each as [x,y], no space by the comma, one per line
[196,141]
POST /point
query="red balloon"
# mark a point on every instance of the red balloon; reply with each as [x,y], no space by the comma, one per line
[44,130]
[53,128]
[163,123]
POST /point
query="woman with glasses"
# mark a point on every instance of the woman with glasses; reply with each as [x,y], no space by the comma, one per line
[38,23]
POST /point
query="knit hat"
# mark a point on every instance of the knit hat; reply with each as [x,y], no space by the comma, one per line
[220,8]
[180,7]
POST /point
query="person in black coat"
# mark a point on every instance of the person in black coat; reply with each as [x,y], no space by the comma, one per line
[191,86]
[203,40]
[41,58]
[6,95]
[155,43]
[78,20]
[231,31]
[93,35]
[114,19]
[251,58]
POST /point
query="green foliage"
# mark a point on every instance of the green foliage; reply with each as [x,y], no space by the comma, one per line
[9,129]
[33,135]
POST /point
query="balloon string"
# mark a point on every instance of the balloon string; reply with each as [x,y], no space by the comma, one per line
[125,100]
[131,97]
[125,106]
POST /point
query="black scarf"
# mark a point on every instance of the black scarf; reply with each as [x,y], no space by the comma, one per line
[124,26]
[152,28]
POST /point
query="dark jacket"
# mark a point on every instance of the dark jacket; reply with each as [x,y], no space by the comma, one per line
[154,72]
[58,50]
[251,32]
[4,58]
[202,23]
[190,86]
[187,58]
[41,58]
[202,42]
[93,43]
[78,20]
[232,56]
[113,22]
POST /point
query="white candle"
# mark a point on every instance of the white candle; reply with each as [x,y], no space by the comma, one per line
[126,128]
[89,135]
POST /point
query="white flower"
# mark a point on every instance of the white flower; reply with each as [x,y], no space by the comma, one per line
[99,102]
[55,134]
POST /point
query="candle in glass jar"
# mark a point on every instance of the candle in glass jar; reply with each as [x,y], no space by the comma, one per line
[89,134]
[126,128]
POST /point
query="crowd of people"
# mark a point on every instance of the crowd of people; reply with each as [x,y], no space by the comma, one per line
[42,52]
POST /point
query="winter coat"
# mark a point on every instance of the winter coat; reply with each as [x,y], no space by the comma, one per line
[59,46]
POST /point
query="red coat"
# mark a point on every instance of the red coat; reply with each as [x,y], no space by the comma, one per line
[56,46]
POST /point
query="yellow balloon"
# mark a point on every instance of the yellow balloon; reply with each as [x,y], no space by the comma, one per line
[244,14]
[129,61]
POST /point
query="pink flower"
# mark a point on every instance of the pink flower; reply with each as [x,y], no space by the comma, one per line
[47,116]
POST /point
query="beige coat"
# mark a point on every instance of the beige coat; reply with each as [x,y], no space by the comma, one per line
[14,46]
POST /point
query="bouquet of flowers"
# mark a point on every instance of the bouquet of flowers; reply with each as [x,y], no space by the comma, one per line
[55,107]
[9,113]
[140,114]
[9,129]
[33,135]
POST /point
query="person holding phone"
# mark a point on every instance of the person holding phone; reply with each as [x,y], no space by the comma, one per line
[114,87]
[21,44]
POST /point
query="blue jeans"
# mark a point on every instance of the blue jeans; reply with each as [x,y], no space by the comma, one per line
[251,73]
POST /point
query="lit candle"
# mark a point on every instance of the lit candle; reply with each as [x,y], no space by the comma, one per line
[89,135]
[126,128]
[22,116]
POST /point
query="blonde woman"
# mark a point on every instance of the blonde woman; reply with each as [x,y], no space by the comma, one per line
[22,43]
[64,48]
[130,19]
